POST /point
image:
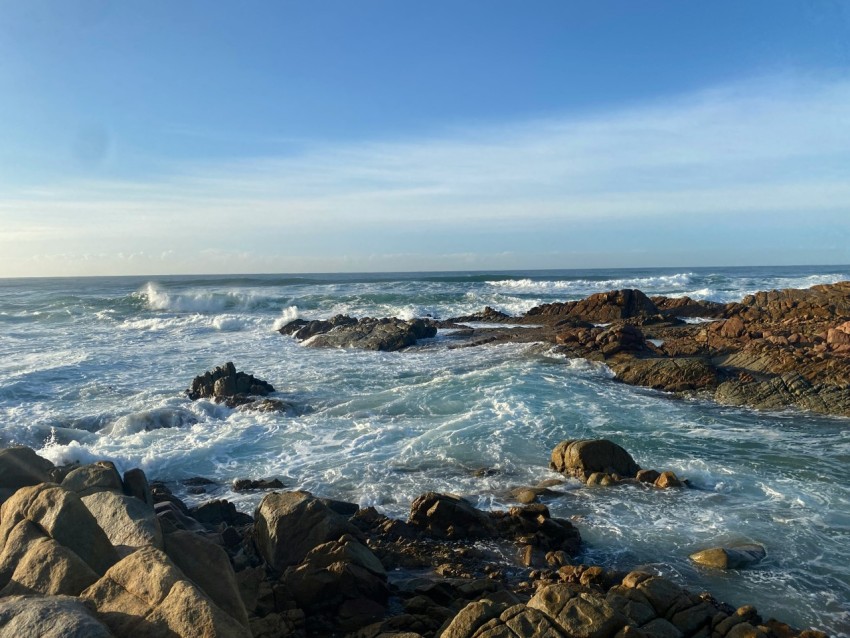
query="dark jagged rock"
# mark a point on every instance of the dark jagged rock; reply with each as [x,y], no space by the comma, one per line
[225,384]
[342,331]
[601,307]
[488,315]
[244,485]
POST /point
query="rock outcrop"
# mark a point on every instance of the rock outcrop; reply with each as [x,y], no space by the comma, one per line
[342,331]
[226,385]
[735,557]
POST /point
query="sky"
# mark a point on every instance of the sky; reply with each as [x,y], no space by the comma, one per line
[167,137]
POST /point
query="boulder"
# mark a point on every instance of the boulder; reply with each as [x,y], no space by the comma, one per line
[448,516]
[342,573]
[470,619]
[578,613]
[208,566]
[290,524]
[668,479]
[582,458]
[146,596]
[214,514]
[128,522]
[136,484]
[49,617]
[244,485]
[62,516]
[95,477]
[20,467]
[226,384]
[736,557]
[33,563]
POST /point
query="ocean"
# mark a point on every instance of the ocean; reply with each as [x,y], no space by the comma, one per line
[95,368]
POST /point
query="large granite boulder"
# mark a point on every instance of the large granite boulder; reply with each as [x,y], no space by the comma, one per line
[582,458]
[225,384]
[62,516]
[145,595]
[129,522]
[95,477]
[287,525]
[208,566]
[49,617]
[367,333]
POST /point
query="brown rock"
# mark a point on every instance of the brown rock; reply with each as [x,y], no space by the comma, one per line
[64,518]
[667,479]
[49,617]
[581,458]
[290,524]
[736,557]
[21,467]
[128,522]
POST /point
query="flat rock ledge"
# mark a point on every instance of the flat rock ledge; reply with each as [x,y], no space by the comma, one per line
[87,551]
[388,335]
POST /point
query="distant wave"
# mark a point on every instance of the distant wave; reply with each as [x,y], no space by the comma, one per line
[663,282]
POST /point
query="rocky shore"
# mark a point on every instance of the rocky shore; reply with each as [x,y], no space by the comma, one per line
[88,552]
[772,350]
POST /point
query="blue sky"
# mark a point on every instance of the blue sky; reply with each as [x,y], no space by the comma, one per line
[172,137]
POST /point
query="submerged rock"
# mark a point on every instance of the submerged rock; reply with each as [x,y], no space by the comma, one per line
[730,557]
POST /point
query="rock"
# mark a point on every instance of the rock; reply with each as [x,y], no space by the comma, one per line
[49,617]
[660,628]
[128,522]
[226,384]
[737,557]
[136,484]
[338,573]
[647,476]
[581,458]
[448,516]
[146,596]
[602,307]
[388,334]
[470,619]
[33,563]
[214,514]
[62,516]
[667,479]
[95,477]
[243,485]
[680,374]
[21,467]
[208,566]
[579,614]
[290,524]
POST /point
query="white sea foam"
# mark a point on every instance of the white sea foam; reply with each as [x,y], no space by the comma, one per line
[287,315]
[659,282]
[229,323]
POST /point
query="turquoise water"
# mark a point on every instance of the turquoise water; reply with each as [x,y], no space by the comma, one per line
[94,368]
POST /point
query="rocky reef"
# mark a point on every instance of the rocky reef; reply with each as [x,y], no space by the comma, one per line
[772,350]
[87,551]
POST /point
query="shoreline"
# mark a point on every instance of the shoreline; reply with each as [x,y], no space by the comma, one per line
[305,566]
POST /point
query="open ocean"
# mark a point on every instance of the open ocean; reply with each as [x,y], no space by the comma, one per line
[94,368]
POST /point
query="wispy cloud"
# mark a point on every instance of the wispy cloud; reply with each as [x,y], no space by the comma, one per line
[770,149]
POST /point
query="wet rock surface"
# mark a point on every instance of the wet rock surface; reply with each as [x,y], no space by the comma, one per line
[304,566]
[367,333]
[225,385]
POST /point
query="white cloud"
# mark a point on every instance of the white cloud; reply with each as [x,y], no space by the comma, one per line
[778,147]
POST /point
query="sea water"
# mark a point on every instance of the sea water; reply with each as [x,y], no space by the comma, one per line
[95,368]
